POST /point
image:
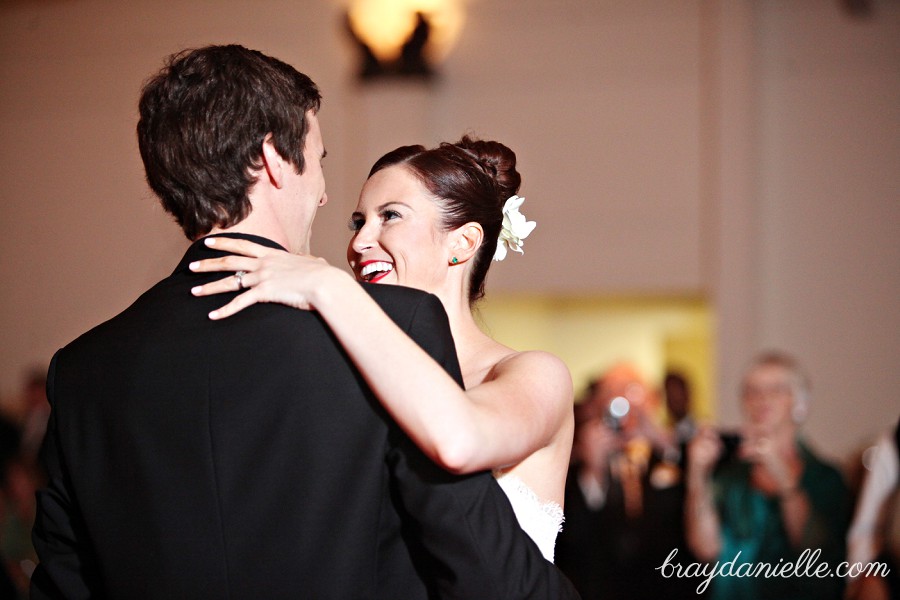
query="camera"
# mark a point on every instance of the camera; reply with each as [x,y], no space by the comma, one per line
[618,409]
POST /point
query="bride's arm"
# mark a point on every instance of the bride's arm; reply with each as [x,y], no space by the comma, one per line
[497,423]
[519,409]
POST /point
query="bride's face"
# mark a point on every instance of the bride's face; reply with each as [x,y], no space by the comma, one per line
[396,234]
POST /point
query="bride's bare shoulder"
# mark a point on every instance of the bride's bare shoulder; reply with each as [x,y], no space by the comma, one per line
[535,363]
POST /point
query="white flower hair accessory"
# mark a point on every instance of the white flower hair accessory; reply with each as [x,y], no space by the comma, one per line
[515,228]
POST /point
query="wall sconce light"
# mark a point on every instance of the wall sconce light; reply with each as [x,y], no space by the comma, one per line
[403,37]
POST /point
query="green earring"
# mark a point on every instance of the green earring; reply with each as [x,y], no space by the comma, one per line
[454,260]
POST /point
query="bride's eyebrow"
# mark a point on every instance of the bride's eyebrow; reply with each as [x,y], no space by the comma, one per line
[356,214]
[392,203]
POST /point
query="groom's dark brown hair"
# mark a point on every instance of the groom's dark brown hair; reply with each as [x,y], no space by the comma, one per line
[203,119]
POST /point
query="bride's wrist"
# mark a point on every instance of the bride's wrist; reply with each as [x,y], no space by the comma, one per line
[333,285]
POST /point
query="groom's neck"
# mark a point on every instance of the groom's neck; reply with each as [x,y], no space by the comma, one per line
[259,224]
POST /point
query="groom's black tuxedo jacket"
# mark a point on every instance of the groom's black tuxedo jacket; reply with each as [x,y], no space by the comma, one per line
[246,458]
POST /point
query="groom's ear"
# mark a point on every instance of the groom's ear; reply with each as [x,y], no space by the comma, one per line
[466,241]
[273,163]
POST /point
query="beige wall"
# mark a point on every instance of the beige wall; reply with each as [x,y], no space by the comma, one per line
[745,151]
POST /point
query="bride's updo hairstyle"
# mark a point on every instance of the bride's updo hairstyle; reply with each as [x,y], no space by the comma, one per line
[471,181]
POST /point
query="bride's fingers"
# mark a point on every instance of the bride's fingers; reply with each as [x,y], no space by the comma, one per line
[238,246]
[241,302]
[226,284]
[232,262]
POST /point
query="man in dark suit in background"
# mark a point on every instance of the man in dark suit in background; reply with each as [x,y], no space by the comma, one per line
[246,458]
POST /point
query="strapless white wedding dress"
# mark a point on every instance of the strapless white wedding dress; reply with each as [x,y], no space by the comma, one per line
[542,521]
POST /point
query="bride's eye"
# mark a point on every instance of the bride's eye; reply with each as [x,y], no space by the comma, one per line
[389,215]
[355,223]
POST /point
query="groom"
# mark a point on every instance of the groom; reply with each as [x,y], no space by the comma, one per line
[246,458]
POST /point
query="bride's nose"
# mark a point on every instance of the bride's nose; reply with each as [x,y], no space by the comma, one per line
[362,240]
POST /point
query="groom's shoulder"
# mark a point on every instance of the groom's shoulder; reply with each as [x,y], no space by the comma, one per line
[399,301]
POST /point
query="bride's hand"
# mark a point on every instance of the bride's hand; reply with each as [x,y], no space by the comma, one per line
[270,275]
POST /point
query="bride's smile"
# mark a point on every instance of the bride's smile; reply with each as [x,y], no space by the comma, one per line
[375,270]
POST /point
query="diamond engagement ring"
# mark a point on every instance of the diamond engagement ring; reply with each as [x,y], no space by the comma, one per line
[239,275]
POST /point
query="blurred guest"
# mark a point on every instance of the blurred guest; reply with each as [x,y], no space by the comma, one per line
[21,434]
[17,509]
[623,497]
[10,437]
[871,538]
[36,414]
[773,501]
[678,406]
[19,480]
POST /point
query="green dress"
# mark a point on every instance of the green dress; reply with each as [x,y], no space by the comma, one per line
[751,525]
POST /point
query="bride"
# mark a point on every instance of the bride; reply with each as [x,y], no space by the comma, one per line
[434,219]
